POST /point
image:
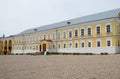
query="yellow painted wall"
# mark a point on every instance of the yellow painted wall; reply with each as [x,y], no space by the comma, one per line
[103,41]
[93,43]
[114,26]
[1,47]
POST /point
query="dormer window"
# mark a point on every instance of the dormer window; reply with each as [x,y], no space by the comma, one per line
[35,29]
[68,22]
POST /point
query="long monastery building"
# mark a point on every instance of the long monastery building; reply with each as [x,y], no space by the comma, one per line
[97,33]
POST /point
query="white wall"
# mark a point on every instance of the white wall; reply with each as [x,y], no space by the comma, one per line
[98,50]
[24,51]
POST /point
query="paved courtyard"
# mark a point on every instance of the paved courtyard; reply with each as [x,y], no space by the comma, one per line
[60,67]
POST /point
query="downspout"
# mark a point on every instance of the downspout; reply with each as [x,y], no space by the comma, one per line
[56,40]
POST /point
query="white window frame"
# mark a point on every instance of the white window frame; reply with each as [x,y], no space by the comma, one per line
[75,32]
[75,44]
[109,39]
[81,32]
[64,36]
[58,46]
[90,42]
[41,37]
[96,28]
[53,46]
[64,43]
[70,46]
[87,30]
[98,40]
[69,32]
[44,37]
[53,35]
[106,27]
[58,35]
[48,35]
[82,41]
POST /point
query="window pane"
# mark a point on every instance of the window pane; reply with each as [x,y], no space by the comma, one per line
[98,44]
[76,32]
[108,43]
[58,45]
[89,44]
[76,45]
[58,35]
[108,28]
[82,44]
[53,46]
[53,36]
[48,36]
[89,31]
[64,45]
[98,30]
[70,45]
[82,32]
[70,33]
[44,36]
[64,35]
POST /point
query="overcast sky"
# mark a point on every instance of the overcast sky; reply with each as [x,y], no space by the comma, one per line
[19,15]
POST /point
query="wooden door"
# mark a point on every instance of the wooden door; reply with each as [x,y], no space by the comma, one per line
[40,48]
[44,47]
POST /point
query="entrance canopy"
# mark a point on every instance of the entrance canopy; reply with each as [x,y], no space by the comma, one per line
[45,45]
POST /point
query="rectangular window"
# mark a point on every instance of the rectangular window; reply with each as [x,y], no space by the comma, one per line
[64,34]
[98,43]
[118,42]
[70,33]
[82,44]
[58,45]
[48,36]
[76,45]
[64,46]
[36,38]
[53,36]
[98,29]
[108,43]
[108,28]
[70,45]
[30,39]
[53,46]
[36,47]
[82,32]
[40,37]
[89,44]
[76,32]
[44,37]
[30,47]
[58,35]
[89,31]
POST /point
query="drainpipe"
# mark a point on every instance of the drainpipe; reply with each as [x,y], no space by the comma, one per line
[23,43]
[56,40]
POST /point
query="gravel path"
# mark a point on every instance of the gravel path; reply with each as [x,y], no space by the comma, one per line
[60,67]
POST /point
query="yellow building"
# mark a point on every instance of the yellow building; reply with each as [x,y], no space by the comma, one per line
[97,33]
[1,47]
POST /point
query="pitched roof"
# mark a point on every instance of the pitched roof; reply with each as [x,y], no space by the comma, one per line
[94,17]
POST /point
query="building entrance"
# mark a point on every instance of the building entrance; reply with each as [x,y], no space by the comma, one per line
[44,47]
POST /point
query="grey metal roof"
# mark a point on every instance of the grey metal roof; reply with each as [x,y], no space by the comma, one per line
[0,37]
[94,17]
